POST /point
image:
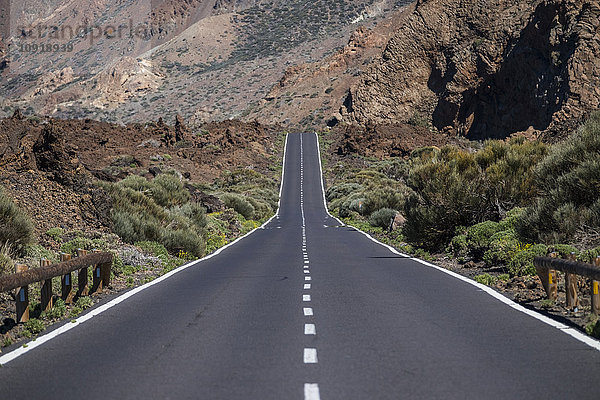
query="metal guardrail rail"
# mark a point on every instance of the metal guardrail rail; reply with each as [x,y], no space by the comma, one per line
[23,277]
[547,268]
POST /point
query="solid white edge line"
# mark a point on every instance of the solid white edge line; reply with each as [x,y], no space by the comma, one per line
[99,310]
[311,391]
[549,321]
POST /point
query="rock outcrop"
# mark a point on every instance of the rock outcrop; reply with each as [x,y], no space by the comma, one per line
[486,69]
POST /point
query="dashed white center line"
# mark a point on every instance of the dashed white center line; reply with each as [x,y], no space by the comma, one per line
[306,297]
[311,391]
[307,278]
[310,329]
[306,262]
[307,286]
[308,312]
[310,356]
[306,271]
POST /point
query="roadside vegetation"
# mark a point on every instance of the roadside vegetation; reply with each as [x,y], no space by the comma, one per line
[158,224]
[498,204]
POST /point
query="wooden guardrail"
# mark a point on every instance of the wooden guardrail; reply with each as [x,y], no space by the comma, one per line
[547,268]
[23,277]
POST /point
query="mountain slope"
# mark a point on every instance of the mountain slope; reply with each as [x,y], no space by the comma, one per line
[204,60]
[485,68]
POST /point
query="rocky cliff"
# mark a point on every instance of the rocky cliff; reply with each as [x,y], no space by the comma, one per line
[486,68]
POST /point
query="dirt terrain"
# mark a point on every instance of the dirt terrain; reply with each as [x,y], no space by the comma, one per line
[49,165]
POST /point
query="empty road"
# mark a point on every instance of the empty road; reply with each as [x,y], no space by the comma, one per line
[305,309]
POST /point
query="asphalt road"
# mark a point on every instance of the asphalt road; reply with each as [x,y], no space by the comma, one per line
[340,317]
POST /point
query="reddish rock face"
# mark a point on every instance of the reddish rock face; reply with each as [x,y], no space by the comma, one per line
[486,69]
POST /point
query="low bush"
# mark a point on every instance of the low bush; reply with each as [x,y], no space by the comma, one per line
[7,265]
[15,226]
[80,305]
[239,203]
[479,237]
[485,279]
[382,198]
[452,188]
[158,211]
[563,250]
[502,247]
[168,191]
[382,217]
[33,327]
[56,233]
[568,207]
[58,310]
[588,256]
[71,246]
[522,262]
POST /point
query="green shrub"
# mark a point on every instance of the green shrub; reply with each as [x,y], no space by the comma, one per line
[58,310]
[479,237]
[33,327]
[446,194]
[239,203]
[261,208]
[522,262]
[380,198]
[134,227]
[80,305]
[194,215]
[588,256]
[137,183]
[512,218]
[382,217]
[56,233]
[459,246]
[568,207]
[485,279]
[71,246]
[183,239]
[452,188]
[564,250]
[37,251]
[342,190]
[592,328]
[502,247]
[168,190]
[15,226]
[7,265]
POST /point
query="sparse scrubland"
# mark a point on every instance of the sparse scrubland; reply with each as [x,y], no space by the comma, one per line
[498,204]
[159,215]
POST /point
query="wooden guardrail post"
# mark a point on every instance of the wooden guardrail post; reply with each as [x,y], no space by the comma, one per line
[82,276]
[105,273]
[549,281]
[46,295]
[596,292]
[22,298]
[66,282]
[101,276]
[571,287]
[96,278]
[553,281]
